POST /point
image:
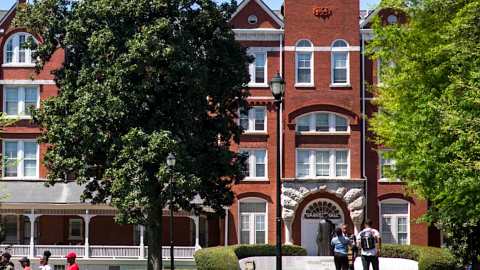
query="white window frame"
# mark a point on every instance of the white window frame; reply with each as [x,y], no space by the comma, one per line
[16,52]
[394,219]
[20,157]
[305,50]
[331,123]
[252,219]
[70,222]
[336,51]
[312,163]
[252,71]
[251,120]
[379,68]
[252,162]
[380,163]
[21,100]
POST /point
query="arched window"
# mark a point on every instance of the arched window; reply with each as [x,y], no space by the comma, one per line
[15,54]
[340,63]
[304,63]
[322,122]
[395,221]
[253,222]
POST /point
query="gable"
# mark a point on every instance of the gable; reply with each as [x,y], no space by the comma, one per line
[266,18]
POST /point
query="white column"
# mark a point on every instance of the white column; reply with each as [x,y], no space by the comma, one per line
[32,218]
[87,218]
[142,245]
[196,220]
[288,232]
[226,226]
[357,227]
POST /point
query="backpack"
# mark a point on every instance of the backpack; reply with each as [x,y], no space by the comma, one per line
[367,240]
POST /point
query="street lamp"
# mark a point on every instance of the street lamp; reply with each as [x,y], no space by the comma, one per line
[277,85]
[171,164]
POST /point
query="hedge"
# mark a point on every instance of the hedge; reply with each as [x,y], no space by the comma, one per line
[226,258]
[428,258]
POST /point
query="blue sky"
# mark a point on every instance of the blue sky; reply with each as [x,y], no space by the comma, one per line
[273,4]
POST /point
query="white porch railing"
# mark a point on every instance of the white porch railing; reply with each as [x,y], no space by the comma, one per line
[104,252]
[60,250]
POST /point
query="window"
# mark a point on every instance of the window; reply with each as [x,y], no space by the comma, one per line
[26,231]
[20,159]
[75,229]
[253,222]
[10,229]
[385,165]
[395,222]
[15,54]
[258,70]
[254,121]
[304,63]
[322,163]
[257,163]
[379,67]
[58,267]
[18,99]
[252,19]
[322,122]
[340,63]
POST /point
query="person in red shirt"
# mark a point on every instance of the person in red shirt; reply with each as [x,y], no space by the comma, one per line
[71,261]
[25,262]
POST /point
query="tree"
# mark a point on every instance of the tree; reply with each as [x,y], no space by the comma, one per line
[430,106]
[142,78]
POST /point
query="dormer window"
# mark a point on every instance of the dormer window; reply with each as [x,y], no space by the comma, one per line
[322,122]
[15,53]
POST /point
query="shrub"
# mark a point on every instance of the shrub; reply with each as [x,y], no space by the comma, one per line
[226,258]
[429,258]
[217,258]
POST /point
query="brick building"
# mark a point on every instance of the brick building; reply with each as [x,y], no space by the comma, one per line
[328,165]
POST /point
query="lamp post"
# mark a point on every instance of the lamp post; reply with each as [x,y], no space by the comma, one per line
[171,164]
[277,85]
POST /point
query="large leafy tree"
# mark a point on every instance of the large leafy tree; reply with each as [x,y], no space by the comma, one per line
[430,104]
[142,78]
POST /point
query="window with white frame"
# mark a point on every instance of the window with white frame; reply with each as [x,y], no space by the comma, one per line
[256,163]
[20,159]
[395,222]
[323,163]
[379,68]
[18,99]
[258,69]
[15,53]
[385,164]
[253,221]
[75,229]
[254,121]
[340,63]
[304,63]
[322,122]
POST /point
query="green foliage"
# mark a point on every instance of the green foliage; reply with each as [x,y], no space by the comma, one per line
[217,258]
[429,258]
[430,103]
[210,258]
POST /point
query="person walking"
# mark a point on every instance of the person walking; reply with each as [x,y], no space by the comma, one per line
[352,250]
[25,262]
[341,249]
[71,261]
[6,263]
[371,244]
[44,260]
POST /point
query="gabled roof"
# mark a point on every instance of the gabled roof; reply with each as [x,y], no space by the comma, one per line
[5,13]
[369,17]
[264,7]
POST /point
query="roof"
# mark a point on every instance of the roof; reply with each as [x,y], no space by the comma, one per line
[278,13]
[369,15]
[3,13]
[37,192]
[274,15]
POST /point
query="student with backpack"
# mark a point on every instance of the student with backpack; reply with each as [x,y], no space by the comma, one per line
[371,244]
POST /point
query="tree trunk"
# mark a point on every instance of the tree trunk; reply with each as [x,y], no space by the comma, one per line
[154,227]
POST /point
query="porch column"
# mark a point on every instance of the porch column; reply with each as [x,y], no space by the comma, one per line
[32,218]
[196,220]
[288,231]
[87,218]
[142,245]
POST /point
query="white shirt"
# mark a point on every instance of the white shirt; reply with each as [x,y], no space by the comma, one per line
[370,252]
[46,267]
